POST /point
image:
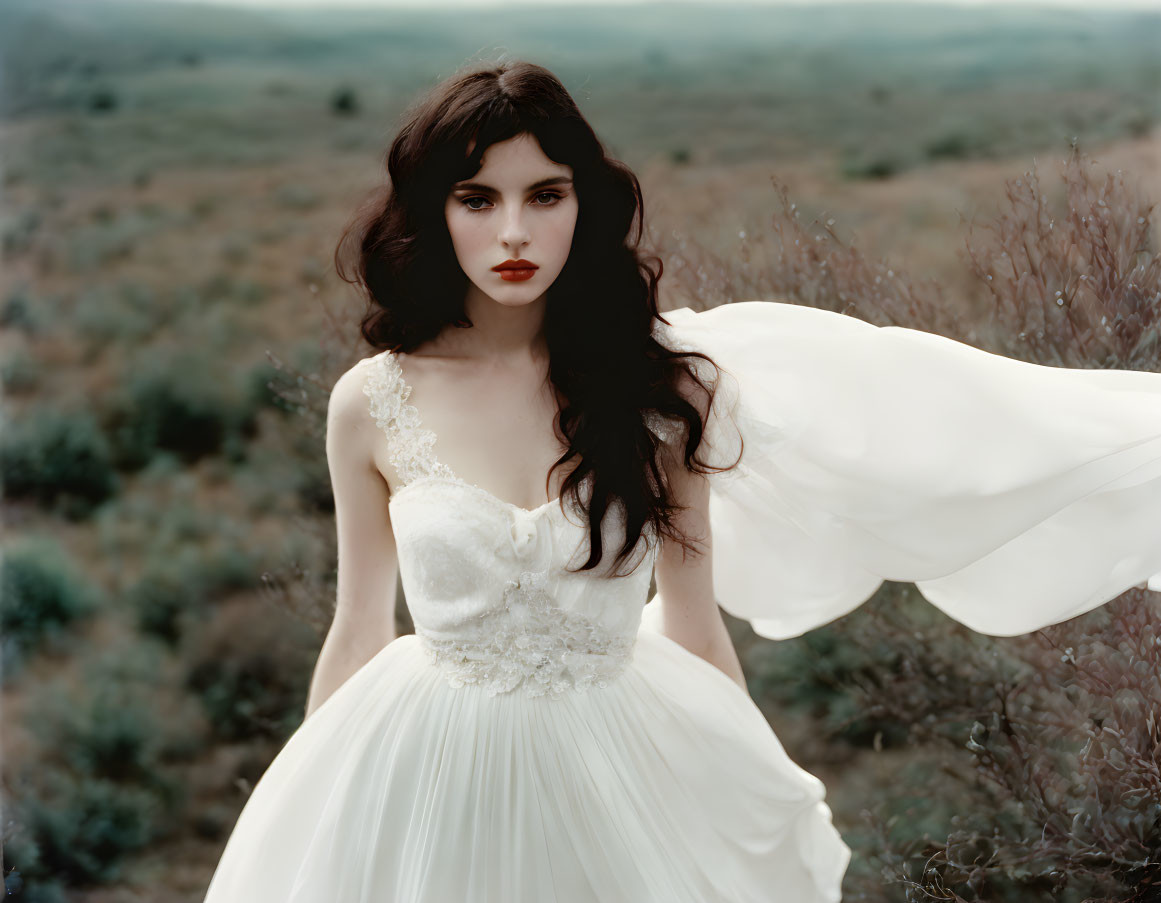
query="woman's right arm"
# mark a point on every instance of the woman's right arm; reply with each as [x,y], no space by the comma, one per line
[368,567]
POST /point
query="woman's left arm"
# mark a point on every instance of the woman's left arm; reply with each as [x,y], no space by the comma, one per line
[688,613]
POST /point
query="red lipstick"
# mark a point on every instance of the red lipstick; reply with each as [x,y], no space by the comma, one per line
[516,270]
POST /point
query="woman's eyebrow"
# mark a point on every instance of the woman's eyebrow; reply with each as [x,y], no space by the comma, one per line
[480,186]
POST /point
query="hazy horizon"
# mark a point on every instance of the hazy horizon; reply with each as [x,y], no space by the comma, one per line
[1117,5]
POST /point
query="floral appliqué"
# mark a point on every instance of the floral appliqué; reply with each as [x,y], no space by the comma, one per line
[410,446]
[531,642]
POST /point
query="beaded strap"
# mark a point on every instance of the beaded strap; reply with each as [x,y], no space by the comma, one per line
[410,445]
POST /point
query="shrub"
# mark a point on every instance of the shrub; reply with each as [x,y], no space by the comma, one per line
[109,727]
[1064,799]
[1076,284]
[178,403]
[79,830]
[344,101]
[96,785]
[41,593]
[251,671]
[164,597]
[176,588]
[128,313]
[20,311]
[59,458]
[873,164]
[813,675]
[19,372]
[270,386]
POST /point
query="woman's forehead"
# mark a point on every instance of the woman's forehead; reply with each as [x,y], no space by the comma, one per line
[518,161]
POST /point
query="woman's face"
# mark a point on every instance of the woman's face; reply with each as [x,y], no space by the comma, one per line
[520,206]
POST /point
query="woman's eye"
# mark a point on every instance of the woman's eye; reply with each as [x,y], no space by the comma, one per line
[552,195]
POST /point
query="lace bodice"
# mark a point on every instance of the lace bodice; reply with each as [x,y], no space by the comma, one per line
[487,581]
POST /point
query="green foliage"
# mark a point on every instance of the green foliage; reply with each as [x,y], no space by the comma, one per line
[18,232]
[58,458]
[20,311]
[122,314]
[229,290]
[268,386]
[177,587]
[111,727]
[251,671]
[41,593]
[183,403]
[824,674]
[81,829]
[19,372]
[112,236]
[345,101]
[297,197]
[100,787]
[165,596]
[958,143]
[873,164]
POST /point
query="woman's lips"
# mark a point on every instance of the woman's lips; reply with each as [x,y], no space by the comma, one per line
[517,275]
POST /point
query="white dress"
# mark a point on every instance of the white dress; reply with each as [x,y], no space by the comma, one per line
[538,741]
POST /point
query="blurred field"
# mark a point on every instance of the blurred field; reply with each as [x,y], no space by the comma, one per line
[174,182]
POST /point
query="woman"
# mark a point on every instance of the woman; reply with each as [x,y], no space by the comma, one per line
[537,738]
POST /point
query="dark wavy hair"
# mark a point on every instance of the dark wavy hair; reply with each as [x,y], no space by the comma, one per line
[606,367]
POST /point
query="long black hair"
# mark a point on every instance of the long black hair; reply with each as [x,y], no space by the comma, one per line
[612,378]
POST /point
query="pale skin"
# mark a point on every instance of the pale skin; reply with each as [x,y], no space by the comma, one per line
[485,393]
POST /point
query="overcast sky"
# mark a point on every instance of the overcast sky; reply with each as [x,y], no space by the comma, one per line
[1093,5]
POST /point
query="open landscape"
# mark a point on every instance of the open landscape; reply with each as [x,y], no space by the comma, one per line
[174,182]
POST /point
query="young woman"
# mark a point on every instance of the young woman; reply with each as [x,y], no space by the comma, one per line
[532,443]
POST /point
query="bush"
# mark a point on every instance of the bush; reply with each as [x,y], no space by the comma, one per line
[873,164]
[79,830]
[128,313]
[814,674]
[59,458]
[176,588]
[20,312]
[96,786]
[955,144]
[1078,283]
[297,197]
[178,403]
[251,671]
[168,593]
[19,372]
[270,386]
[1052,751]
[41,593]
[344,101]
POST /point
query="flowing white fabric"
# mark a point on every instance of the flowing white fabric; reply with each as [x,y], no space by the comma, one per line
[1014,495]
[536,742]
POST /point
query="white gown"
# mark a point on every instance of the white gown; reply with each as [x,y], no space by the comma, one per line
[538,741]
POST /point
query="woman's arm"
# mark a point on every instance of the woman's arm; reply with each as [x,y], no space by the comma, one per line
[689,613]
[364,620]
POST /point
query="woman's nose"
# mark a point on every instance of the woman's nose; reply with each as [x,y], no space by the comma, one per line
[514,232]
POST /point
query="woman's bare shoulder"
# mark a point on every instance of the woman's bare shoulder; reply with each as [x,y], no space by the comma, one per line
[350,404]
